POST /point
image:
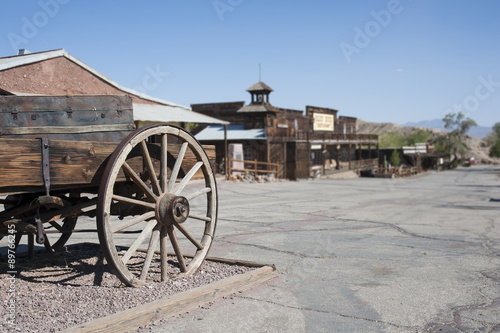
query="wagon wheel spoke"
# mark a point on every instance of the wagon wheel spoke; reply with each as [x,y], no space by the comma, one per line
[133,201]
[198,193]
[177,249]
[47,245]
[163,253]
[150,167]
[188,236]
[132,222]
[17,240]
[164,162]
[201,218]
[153,242]
[138,181]
[135,245]
[177,167]
[56,225]
[178,189]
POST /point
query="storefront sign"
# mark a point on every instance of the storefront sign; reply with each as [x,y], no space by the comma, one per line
[323,122]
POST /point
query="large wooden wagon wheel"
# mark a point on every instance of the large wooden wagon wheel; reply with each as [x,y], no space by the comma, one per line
[22,210]
[158,188]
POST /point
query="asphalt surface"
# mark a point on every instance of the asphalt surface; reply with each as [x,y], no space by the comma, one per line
[361,255]
[420,254]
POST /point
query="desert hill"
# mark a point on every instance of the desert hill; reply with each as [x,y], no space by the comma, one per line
[479,150]
[479,132]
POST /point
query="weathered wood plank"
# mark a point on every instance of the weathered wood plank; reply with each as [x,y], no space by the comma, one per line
[20,162]
[74,162]
[89,118]
[69,103]
[65,129]
[142,315]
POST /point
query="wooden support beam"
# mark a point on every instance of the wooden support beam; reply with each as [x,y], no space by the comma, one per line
[350,156]
[226,162]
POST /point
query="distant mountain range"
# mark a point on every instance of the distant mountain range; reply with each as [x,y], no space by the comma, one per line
[478,132]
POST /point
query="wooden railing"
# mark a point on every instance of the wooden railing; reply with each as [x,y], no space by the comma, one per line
[269,167]
[405,171]
[342,137]
[355,138]
[399,172]
[363,164]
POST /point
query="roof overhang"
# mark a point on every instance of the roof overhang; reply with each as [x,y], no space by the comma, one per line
[234,132]
[5,92]
[171,114]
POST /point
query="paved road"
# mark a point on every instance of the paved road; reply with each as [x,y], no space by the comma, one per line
[362,255]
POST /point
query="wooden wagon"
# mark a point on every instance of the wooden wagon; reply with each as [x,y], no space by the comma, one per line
[62,157]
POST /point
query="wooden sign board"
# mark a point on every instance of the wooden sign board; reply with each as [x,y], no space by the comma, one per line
[323,122]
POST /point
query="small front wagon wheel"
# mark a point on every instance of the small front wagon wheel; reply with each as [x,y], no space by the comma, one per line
[25,207]
[158,190]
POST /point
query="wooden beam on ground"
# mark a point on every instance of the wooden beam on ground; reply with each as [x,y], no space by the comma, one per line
[133,318]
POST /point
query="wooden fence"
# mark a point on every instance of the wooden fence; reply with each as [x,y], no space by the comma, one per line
[364,164]
[256,168]
[402,171]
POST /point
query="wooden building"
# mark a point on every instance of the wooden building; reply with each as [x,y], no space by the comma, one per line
[317,141]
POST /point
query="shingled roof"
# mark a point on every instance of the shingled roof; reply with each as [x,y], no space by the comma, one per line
[257,108]
[259,86]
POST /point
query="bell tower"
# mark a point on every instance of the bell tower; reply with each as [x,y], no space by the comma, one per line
[260,93]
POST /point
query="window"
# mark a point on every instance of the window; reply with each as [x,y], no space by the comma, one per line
[248,154]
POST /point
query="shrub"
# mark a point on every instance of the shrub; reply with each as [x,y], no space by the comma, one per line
[395,160]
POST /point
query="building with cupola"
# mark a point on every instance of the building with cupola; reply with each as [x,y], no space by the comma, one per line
[316,141]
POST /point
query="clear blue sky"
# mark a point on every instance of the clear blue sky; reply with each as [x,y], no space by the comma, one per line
[384,61]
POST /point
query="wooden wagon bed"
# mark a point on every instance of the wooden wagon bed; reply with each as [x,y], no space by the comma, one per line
[54,150]
[81,132]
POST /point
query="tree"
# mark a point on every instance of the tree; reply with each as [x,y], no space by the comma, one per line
[420,136]
[496,129]
[395,139]
[391,139]
[494,140]
[495,149]
[395,160]
[456,140]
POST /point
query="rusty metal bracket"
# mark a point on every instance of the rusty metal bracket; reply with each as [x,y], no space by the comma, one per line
[40,238]
[45,164]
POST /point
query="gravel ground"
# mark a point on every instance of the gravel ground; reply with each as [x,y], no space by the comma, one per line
[58,291]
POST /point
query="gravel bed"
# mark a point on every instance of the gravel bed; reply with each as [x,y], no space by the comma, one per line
[74,286]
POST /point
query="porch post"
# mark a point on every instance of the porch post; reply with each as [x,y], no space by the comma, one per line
[226,162]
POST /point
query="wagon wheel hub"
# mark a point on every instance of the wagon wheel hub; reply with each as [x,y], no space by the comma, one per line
[171,209]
